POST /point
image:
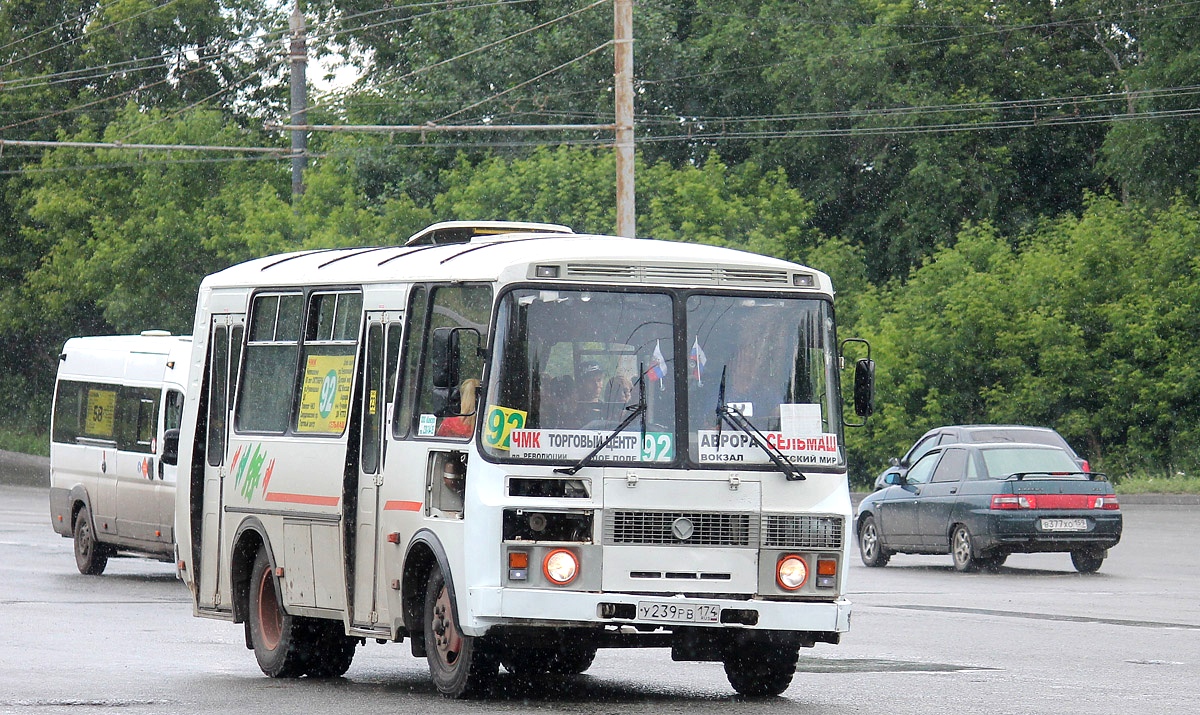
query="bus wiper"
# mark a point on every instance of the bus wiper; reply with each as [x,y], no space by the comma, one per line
[734,418]
[634,412]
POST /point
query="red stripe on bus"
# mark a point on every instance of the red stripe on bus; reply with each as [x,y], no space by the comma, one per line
[402,506]
[312,499]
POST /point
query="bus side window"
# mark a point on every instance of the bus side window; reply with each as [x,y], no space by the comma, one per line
[413,342]
[272,356]
[458,306]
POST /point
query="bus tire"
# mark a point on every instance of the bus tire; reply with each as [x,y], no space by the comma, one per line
[332,652]
[554,660]
[461,666]
[281,641]
[760,669]
[91,557]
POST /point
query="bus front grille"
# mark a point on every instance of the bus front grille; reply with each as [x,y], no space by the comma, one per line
[680,528]
[802,531]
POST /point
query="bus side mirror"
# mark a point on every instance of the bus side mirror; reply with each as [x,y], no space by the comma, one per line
[444,358]
[864,383]
[170,453]
[864,387]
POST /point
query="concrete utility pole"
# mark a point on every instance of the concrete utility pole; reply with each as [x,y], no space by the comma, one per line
[623,94]
[299,58]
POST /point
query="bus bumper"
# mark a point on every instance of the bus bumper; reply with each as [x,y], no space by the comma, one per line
[538,607]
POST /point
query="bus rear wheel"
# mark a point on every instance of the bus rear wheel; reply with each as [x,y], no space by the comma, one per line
[91,557]
[283,643]
[461,666]
[332,650]
[759,669]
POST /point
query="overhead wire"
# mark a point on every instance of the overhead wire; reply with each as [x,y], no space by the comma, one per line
[482,48]
[109,26]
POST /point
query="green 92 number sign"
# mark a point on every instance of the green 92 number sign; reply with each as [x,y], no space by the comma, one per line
[500,423]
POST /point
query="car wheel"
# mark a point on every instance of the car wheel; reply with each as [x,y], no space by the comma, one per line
[461,666]
[91,557]
[870,547]
[960,549]
[760,669]
[1088,560]
[993,562]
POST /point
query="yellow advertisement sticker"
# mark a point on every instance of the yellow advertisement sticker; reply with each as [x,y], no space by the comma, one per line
[325,394]
[101,413]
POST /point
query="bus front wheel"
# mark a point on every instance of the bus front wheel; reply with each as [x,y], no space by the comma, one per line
[759,669]
[461,666]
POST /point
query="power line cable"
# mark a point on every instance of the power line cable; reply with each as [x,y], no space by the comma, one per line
[86,32]
[477,50]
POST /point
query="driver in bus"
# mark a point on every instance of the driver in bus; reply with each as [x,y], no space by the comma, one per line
[590,382]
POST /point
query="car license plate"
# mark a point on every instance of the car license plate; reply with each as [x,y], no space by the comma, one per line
[1064,524]
[678,612]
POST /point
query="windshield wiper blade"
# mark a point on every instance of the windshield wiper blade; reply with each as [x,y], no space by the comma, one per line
[639,409]
[733,416]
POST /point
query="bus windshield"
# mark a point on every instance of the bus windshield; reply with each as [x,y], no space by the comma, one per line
[762,370]
[571,365]
[574,368]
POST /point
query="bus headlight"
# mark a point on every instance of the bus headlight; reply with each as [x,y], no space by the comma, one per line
[791,572]
[560,567]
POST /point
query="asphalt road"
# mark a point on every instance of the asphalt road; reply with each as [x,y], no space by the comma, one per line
[1034,638]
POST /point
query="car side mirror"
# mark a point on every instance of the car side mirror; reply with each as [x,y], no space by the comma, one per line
[894,479]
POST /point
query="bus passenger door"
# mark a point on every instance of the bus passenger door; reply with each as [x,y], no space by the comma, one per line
[375,396]
[224,352]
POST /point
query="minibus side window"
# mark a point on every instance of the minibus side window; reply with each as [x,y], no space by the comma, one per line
[330,346]
[272,353]
[145,402]
[413,340]
[442,386]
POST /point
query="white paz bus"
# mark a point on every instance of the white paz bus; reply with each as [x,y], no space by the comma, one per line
[513,445]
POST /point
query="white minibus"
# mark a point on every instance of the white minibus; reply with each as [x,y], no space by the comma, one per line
[114,438]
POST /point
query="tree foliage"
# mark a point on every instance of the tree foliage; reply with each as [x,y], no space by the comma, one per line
[1004,192]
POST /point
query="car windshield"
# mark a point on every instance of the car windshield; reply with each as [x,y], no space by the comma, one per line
[1004,461]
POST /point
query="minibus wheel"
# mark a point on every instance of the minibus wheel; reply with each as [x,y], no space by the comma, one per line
[280,640]
[91,557]
[461,666]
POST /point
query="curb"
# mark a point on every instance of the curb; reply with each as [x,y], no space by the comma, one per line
[24,469]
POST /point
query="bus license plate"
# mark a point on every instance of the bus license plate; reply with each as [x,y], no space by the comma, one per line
[1064,524]
[679,612]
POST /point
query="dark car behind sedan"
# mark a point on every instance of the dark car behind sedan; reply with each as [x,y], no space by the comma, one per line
[953,434]
[982,502]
